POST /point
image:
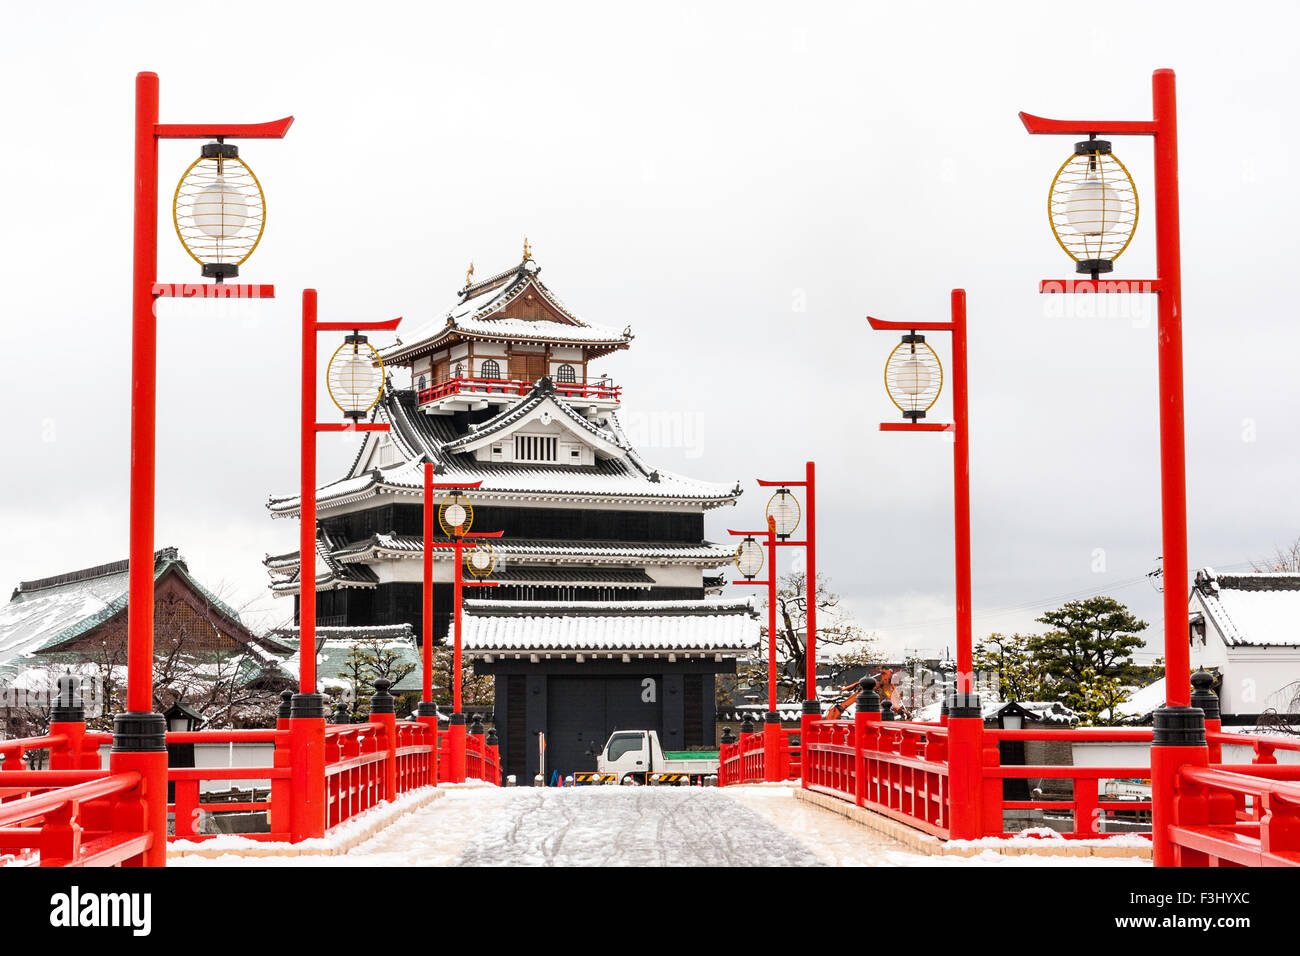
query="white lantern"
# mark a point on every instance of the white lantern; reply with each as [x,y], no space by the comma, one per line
[783,509]
[219,211]
[749,558]
[1093,207]
[913,376]
[455,515]
[355,376]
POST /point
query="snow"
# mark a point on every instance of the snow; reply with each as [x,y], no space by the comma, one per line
[626,826]
[661,625]
[1261,618]
[1143,700]
[30,620]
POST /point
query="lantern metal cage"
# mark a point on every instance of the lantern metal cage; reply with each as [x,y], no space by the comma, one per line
[455,515]
[749,558]
[355,376]
[784,513]
[481,560]
[913,376]
[219,211]
[1093,207]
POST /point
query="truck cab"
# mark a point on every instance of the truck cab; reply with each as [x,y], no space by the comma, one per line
[635,752]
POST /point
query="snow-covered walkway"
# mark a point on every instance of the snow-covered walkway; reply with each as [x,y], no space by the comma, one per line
[623,826]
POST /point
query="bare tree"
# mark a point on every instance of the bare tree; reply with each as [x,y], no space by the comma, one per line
[1283,559]
[840,642]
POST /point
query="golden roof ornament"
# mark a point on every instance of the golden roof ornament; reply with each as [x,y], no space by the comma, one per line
[528,250]
[469,276]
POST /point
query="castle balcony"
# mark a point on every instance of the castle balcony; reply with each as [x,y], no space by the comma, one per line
[472,394]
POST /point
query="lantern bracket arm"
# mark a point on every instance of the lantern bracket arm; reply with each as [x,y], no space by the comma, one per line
[482,534]
[1094,286]
[754,583]
[1041,124]
[352,427]
[275,129]
[388,326]
[480,584]
[917,427]
[880,325]
[750,534]
[199,290]
[780,484]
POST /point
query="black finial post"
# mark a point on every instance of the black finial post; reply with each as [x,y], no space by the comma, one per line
[286,705]
[382,701]
[1203,695]
[68,704]
[886,710]
[868,699]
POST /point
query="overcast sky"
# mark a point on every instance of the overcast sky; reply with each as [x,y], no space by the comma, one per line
[742,184]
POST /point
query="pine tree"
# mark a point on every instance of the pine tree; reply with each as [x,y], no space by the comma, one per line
[1091,640]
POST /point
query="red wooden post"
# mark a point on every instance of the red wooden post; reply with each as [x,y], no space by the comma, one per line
[812,710]
[426,712]
[774,767]
[1179,728]
[459,768]
[383,714]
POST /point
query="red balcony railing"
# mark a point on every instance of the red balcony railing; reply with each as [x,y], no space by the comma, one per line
[598,391]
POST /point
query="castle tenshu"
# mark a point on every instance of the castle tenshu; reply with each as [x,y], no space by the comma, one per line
[607,614]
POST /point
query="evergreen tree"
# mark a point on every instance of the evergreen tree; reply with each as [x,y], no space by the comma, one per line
[1090,641]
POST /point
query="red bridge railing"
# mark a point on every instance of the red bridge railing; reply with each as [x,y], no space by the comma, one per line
[72,813]
[947,779]
[745,760]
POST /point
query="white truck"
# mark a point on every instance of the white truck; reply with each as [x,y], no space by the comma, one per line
[636,754]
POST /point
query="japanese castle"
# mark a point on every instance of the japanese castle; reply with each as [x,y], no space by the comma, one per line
[607,614]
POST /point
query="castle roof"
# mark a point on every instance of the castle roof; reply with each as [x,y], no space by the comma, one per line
[484,312]
[419,437]
[713,627]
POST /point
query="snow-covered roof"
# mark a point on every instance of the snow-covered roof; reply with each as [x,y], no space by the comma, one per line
[558,550]
[330,572]
[484,313]
[607,440]
[44,614]
[1043,711]
[335,644]
[419,437]
[1258,610]
[718,627]
[1141,701]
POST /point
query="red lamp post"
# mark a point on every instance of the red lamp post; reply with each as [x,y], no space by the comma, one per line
[1179,729]
[914,378]
[812,710]
[456,729]
[139,734]
[307,709]
[774,768]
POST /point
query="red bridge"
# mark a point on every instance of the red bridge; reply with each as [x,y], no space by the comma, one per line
[945,778]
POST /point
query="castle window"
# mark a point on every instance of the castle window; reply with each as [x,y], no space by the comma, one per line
[460,369]
[535,447]
[420,384]
[566,374]
[490,369]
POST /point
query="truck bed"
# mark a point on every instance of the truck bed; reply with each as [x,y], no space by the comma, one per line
[691,754]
